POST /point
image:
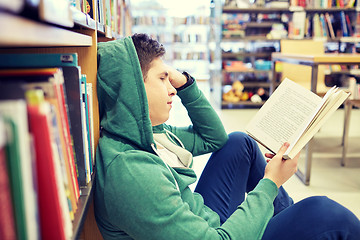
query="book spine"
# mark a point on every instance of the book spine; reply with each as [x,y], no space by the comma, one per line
[91,118]
[52,225]
[343,24]
[21,168]
[323,25]
[59,84]
[328,21]
[38,60]
[87,118]
[7,220]
[85,138]
[349,26]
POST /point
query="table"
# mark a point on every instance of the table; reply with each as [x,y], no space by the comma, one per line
[347,111]
[313,61]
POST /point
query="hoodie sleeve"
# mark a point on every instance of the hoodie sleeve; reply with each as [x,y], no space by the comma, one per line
[207,133]
[143,202]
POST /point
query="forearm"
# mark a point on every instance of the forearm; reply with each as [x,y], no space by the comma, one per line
[253,215]
[206,124]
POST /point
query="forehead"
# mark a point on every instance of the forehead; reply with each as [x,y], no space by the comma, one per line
[157,66]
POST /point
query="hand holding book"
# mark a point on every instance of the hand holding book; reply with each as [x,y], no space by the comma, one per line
[293,114]
[278,170]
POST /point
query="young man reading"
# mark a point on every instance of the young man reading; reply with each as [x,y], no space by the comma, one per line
[143,166]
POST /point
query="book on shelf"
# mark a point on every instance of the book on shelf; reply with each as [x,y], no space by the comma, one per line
[15,6]
[317,29]
[51,11]
[54,209]
[51,82]
[55,193]
[328,20]
[85,120]
[7,220]
[87,99]
[51,96]
[344,27]
[324,27]
[91,114]
[340,3]
[357,25]
[72,77]
[298,25]
[293,114]
[20,163]
[56,12]
[348,24]
[100,12]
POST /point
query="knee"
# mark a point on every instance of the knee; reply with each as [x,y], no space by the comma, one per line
[239,138]
[242,140]
[333,213]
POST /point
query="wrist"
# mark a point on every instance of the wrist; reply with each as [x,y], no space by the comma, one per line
[189,81]
[269,178]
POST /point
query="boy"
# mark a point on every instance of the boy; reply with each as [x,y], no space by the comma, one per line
[143,166]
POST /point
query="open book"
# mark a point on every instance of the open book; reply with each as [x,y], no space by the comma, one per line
[293,114]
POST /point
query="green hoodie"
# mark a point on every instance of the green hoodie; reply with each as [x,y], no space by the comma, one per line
[136,195]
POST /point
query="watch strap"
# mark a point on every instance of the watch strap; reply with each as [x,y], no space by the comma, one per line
[189,81]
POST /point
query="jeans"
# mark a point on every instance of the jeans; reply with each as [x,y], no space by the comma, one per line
[237,168]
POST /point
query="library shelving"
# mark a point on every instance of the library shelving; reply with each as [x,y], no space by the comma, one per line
[184,34]
[37,30]
[249,36]
[251,33]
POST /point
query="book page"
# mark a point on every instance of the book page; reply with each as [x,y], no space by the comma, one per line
[332,103]
[284,116]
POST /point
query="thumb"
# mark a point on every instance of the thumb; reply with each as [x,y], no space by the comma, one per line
[283,149]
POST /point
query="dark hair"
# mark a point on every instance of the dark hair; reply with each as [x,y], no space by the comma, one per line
[147,50]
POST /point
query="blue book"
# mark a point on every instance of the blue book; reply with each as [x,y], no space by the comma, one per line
[23,60]
[72,78]
[343,24]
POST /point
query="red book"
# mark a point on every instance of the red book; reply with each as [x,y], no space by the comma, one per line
[348,23]
[50,192]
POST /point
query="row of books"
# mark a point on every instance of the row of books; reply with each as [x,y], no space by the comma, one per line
[190,55]
[316,25]
[46,144]
[111,13]
[342,76]
[150,20]
[115,14]
[323,3]
[174,21]
[50,11]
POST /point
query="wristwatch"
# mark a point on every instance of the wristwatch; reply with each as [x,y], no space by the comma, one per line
[189,81]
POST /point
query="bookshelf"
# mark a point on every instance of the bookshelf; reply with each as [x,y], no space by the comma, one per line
[252,32]
[249,36]
[23,32]
[183,32]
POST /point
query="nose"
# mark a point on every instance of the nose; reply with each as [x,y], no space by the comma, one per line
[171,90]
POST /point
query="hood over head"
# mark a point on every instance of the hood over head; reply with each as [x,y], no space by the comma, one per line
[123,107]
